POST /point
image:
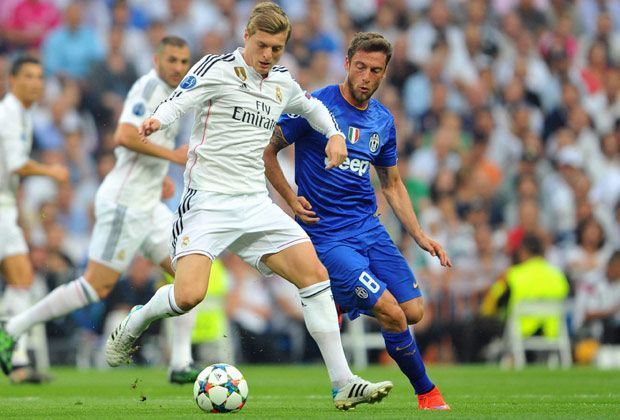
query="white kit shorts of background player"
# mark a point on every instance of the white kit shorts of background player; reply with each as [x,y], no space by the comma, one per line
[15,147]
[130,216]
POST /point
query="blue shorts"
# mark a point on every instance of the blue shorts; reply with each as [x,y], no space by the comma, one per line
[362,267]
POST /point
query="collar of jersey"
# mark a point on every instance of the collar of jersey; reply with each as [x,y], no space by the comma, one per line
[13,101]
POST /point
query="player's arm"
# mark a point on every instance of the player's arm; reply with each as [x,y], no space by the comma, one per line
[127,135]
[33,168]
[319,118]
[397,197]
[300,205]
[16,158]
[202,83]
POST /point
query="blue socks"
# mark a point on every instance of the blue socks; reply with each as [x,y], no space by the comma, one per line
[403,349]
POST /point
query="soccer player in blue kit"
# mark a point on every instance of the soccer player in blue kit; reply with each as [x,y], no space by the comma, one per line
[337,208]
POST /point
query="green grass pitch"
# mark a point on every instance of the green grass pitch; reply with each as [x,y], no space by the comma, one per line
[304,392]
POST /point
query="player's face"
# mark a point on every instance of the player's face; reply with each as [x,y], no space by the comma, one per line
[27,84]
[263,50]
[172,63]
[365,71]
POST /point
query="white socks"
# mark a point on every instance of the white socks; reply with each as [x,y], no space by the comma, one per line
[16,301]
[60,301]
[322,323]
[181,346]
[161,305]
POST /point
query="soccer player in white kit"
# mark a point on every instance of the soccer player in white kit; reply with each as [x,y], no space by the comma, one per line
[130,216]
[27,85]
[238,98]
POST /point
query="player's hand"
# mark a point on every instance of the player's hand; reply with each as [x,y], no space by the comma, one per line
[59,173]
[303,210]
[167,188]
[180,154]
[336,151]
[148,127]
[433,248]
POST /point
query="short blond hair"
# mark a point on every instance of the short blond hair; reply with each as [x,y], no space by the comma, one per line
[268,17]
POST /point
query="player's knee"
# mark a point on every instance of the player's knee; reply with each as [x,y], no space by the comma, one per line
[318,273]
[103,290]
[414,314]
[391,317]
[187,301]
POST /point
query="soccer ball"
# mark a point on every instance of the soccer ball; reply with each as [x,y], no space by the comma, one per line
[220,388]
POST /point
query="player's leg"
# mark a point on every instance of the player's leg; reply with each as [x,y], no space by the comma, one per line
[193,266]
[156,248]
[17,271]
[181,368]
[402,303]
[96,283]
[301,266]
[189,289]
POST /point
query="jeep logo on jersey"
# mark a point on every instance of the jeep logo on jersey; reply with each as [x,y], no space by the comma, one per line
[357,166]
[241,74]
[278,94]
[354,134]
[188,83]
[374,142]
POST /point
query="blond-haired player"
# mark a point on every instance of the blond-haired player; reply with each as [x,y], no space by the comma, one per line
[238,98]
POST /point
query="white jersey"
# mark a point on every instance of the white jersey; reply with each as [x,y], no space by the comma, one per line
[136,179]
[15,145]
[236,110]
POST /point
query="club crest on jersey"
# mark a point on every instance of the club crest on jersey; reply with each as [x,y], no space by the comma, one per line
[278,94]
[373,143]
[361,292]
[354,134]
[138,109]
[188,83]
[241,74]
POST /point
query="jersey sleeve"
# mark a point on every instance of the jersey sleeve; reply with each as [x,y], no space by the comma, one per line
[387,156]
[317,115]
[14,151]
[293,127]
[136,107]
[202,83]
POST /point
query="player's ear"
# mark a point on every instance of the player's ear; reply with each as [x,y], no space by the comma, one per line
[347,63]
[246,35]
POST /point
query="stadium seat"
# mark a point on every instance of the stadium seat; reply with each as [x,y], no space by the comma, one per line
[356,341]
[516,344]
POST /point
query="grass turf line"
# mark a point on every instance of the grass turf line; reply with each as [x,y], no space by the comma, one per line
[304,391]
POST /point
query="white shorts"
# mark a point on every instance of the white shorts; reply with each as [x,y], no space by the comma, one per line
[249,225]
[12,240]
[121,232]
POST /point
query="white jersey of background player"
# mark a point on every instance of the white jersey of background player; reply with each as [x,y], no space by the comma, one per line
[130,216]
[238,99]
[27,84]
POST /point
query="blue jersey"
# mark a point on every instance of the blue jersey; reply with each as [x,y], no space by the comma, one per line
[343,197]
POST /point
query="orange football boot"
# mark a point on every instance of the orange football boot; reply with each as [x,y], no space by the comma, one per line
[432,400]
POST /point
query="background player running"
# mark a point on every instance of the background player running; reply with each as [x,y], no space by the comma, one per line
[130,216]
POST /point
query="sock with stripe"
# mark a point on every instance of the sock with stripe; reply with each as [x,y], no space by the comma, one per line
[62,300]
[322,323]
[401,346]
[161,305]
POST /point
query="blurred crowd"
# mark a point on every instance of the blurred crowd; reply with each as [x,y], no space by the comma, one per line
[508,123]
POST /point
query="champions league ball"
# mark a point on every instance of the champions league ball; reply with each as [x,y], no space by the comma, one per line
[220,388]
